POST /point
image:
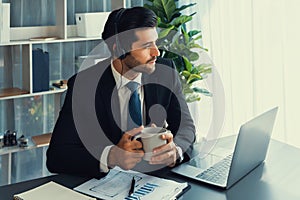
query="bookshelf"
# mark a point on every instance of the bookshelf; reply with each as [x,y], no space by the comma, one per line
[61,32]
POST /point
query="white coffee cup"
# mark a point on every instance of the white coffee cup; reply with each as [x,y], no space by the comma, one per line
[151,138]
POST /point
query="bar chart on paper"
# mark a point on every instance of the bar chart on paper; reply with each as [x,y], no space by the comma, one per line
[144,190]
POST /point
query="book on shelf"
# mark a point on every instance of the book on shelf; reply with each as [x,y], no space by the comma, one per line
[50,191]
[40,70]
[41,140]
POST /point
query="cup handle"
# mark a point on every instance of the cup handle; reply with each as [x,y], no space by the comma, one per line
[136,137]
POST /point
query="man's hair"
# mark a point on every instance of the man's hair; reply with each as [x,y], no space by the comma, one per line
[125,20]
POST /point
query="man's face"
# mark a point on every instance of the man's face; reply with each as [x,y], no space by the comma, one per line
[144,51]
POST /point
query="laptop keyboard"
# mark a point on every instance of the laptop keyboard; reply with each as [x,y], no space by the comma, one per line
[217,173]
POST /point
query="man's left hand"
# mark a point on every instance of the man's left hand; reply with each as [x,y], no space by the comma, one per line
[165,154]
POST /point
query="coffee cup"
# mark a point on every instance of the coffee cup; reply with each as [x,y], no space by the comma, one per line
[151,138]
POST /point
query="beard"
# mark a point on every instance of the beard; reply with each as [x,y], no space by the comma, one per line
[136,66]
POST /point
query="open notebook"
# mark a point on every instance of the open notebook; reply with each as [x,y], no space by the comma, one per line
[51,191]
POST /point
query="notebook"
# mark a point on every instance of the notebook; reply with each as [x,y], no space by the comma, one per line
[50,191]
[249,152]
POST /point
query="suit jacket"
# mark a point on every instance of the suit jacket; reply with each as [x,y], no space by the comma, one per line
[90,117]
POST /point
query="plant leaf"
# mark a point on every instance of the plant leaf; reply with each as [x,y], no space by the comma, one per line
[194,56]
[194,45]
[185,35]
[192,97]
[193,78]
[202,91]
[187,90]
[193,33]
[188,64]
[181,20]
[167,7]
[204,68]
[176,43]
[185,6]
[186,74]
[164,32]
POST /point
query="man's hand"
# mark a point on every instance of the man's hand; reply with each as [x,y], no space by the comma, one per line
[165,154]
[127,153]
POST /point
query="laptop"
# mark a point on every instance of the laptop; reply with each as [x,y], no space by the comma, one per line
[250,151]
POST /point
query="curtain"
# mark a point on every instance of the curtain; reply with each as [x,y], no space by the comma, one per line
[254,46]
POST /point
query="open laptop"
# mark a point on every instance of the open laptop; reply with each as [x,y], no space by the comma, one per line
[249,152]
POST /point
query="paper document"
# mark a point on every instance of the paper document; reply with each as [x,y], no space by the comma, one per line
[51,190]
[116,185]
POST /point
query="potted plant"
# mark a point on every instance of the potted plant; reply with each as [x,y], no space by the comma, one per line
[180,45]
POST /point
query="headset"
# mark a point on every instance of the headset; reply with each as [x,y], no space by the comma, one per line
[119,51]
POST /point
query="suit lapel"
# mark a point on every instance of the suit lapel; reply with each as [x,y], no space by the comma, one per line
[109,96]
[150,93]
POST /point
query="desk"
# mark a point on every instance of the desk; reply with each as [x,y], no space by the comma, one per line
[276,179]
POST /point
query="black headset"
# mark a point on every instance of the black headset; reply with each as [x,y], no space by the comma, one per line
[119,51]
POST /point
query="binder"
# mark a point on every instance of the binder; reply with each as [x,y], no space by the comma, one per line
[40,70]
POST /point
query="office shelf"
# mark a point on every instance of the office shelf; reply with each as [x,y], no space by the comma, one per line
[7,153]
[14,149]
[15,93]
[11,93]
[21,41]
[45,41]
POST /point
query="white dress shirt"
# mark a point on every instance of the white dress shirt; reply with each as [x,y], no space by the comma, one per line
[124,96]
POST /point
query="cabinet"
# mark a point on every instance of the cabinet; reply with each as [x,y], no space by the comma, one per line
[34,113]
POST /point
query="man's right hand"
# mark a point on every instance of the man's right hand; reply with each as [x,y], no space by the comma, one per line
[127,153]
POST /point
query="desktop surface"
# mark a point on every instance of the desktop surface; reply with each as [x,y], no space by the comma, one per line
[276,179]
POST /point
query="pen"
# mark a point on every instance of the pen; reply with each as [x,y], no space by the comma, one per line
[131,190]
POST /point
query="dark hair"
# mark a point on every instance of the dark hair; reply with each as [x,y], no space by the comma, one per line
[130,18]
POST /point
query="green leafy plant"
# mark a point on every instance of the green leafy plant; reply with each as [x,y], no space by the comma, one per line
[180,45]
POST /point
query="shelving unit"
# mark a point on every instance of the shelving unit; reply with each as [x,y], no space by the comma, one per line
[20,39]
[7,152]
[15,93]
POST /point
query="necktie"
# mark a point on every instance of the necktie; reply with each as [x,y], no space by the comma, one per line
[134,118]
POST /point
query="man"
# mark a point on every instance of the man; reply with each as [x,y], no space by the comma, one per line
[92,133]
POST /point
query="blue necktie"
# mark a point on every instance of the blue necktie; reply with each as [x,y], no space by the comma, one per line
[134,118]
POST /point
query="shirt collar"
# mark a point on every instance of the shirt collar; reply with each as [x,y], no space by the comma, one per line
[121,81]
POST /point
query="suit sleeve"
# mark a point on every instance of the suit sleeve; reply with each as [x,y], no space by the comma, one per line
[179,118]
[66,153]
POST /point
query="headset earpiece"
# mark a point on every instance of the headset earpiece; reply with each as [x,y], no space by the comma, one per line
[119,51]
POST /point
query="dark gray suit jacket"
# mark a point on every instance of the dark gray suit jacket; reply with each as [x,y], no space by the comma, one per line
[90,117]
